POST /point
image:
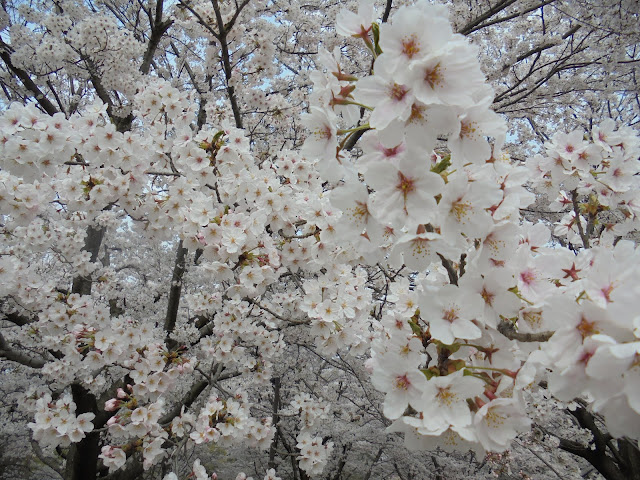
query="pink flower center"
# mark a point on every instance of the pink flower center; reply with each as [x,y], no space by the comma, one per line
[324,132]
[445,396]
[392,152]
[402,382]
[450,315]
[606,292]
[416,114]
[586,328]
[527,277]
[467,129]
[460,210]
[487,296]
[361,210]
[405,184]
[410,46]
[585,357]
[433,76]
[398,92]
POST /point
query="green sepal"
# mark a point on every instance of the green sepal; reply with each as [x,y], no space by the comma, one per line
[415,328]
[442,165]
[430,372]
[455,365]
[375,28]
[448,348]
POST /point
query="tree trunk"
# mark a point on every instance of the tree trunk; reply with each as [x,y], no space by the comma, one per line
[82,459]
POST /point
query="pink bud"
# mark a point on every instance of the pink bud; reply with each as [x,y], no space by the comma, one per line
[201,239]
[122,393]
[111,405]
[113,420]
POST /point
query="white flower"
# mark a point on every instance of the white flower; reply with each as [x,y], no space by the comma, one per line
[444,402]
[199,472]
[498,422]
[351,24]
[402,384]
[390,100]
[113,458]
[416,31]
[450,311]
[404,194]
[469,143]
[271,475]
[322,141]
[449,76]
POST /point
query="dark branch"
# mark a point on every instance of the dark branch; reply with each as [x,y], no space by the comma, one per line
[82,285]
[174,294]
[498,7]
[24,77]
[387,11]
[507,329]
[7,352]
[274,415]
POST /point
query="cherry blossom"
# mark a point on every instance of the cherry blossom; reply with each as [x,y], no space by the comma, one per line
[404,386]
[404,194]
[191,265]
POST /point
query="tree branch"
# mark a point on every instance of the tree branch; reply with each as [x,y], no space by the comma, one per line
[453,275]
[373,464]
[158,29]
[190,397]
[387,11]
[498,7]
[510,17]
[353,139]
[17,319]
[224,29]
[274,314]
[576,210]
[18,357]
[48,461]
[174,294]
[507,329]
[274,415]
[24,77]
[598,457]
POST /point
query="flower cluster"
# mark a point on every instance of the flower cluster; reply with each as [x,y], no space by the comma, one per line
[594,181]
[56,423]
[226,422]
[311,411]
[337,303]
[445,357]
[314,453]
[594,350]
[411,255]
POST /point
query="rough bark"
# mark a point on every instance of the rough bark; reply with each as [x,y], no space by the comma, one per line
[174,294]
[82,458]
